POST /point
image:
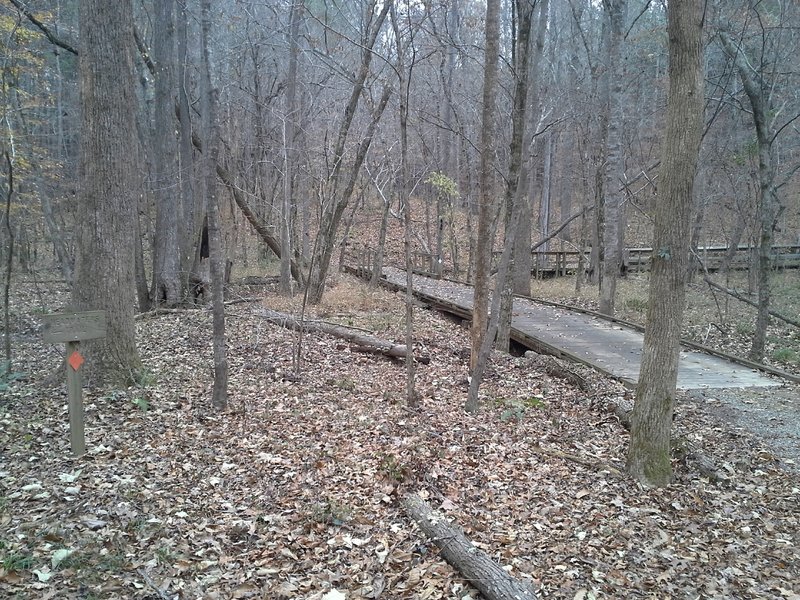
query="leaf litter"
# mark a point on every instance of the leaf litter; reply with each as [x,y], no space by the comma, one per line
[293,492]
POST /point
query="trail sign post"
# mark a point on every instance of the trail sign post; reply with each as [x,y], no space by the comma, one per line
[73,328]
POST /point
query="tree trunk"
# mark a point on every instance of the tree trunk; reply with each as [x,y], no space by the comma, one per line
[649,451]
[142,289]
[219,398]
[191,217]
[483,250]
[614,166]
[335,207]
[514,186]
[769,206]
[110,184]
[522,263]
[289,150]
[8,250]
[544,205]
[56,236]
[377,270]
[405,197]
[167,288]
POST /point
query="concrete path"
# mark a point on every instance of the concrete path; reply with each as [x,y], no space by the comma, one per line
[604,345]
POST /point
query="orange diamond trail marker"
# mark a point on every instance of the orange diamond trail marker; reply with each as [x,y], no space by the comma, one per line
[73,328]
[75,360]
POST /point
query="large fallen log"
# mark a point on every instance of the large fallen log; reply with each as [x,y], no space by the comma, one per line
[361,342]
[489,578]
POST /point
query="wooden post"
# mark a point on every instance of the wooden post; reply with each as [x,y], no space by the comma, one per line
[74,387]
[72,328]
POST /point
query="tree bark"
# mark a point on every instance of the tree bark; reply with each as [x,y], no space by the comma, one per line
[377,269]
[167,288]
[191,216]
[483,250]
[219,398]
[522,257]
[769,205]
[513,196]
[614,166]
[289,149]
[651,420]
[6,366]
[110,184]
[489,578]
[405,197]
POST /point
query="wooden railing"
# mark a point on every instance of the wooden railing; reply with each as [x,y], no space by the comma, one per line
[556,263]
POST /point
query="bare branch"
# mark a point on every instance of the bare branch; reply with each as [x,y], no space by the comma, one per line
[49,34]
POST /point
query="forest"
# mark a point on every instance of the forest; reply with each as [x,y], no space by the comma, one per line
[220,377]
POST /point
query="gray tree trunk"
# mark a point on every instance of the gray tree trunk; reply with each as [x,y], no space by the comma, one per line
[379,252]
[769,206]
[480,305]
[110,184]
[191,214]
[219,398]
[651,420]
[513,196]
[167,288]
[614,165]
[522,262]
[491,580]
[405,197]
[290,150]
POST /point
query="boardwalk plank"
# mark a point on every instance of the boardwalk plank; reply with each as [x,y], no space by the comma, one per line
[609,347]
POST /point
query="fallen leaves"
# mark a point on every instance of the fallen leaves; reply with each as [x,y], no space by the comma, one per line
[293,493]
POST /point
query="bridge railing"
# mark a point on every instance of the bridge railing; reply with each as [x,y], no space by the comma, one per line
[565,262]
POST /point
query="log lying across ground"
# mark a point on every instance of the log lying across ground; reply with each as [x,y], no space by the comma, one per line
[489,578]
[361,341]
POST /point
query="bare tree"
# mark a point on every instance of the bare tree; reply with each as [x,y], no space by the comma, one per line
[769,208]
[513,197]
[338,188]
[8,250]
[404,75]
[480,304]
[649,451]
[290,154]
[614,167]
[209,103]
[167,288]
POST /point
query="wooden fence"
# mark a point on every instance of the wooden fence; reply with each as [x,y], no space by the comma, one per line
[557,263]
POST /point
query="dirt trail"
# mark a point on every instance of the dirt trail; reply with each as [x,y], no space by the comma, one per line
[771,414]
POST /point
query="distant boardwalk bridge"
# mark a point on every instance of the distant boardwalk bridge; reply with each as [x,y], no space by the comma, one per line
[609,345]
[554,263]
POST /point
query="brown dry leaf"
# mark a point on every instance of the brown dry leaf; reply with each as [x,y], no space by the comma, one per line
[293,492]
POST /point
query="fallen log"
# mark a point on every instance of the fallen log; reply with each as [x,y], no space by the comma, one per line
[489,578]
[361,342]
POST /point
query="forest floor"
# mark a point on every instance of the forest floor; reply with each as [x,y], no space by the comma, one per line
[293,491]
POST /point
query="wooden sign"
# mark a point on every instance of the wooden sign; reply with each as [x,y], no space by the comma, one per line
[73,328]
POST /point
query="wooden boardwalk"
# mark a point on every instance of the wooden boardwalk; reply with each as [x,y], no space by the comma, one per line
[607,346]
